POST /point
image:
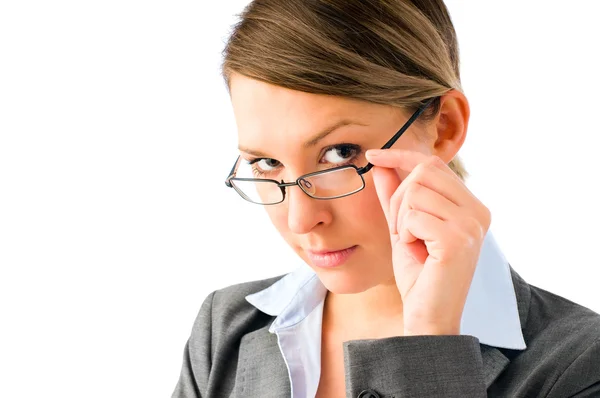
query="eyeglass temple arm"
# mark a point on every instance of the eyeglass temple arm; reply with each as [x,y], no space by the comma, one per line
[393,140]
[227,182]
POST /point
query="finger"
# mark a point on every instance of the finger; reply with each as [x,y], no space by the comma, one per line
[400,206]
[386,182]
[438,184]
[422,198]
[417,225]
[441,239]
[431,176]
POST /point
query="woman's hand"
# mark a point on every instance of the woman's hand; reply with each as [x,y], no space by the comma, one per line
[437,229]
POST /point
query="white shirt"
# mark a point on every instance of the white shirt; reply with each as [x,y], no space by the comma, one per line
[297,299]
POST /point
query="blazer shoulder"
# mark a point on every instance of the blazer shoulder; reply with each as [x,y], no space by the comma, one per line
[244,288]
[551,313]
[233,297]
[227,310]
[224,318]
[565,336]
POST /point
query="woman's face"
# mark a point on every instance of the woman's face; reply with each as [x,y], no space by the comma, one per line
[276,132]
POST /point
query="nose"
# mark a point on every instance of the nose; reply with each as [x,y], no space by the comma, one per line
[306,213]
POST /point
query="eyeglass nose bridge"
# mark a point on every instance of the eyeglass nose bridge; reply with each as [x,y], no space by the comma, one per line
[302,183]
[283,184]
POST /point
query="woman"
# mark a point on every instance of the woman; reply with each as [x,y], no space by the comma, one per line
[350,117]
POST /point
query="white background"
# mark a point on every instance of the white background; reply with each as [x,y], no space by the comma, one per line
[116,134]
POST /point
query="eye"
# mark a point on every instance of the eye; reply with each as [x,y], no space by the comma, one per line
[267,164]
[264,165]
[341,154]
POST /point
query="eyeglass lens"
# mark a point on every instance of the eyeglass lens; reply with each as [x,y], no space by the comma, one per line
[324,185]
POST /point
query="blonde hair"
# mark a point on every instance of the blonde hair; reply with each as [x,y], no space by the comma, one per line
[394,52]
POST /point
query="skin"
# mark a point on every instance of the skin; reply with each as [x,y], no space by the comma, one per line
[417,227]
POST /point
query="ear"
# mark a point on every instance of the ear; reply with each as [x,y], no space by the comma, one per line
[450,125]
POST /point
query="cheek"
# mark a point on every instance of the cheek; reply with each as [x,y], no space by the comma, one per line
[364,213]
[279,218]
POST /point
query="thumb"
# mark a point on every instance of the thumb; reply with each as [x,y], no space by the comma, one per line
[386,182]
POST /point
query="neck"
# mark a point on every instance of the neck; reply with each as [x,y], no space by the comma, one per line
[374,313]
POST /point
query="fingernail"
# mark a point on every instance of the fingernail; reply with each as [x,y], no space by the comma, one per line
[374,152]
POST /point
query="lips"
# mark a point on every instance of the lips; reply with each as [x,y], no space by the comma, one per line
[329,258]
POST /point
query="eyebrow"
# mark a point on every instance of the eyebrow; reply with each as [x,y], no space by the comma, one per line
[312,141]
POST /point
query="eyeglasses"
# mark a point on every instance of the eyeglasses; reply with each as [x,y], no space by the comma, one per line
[333,183]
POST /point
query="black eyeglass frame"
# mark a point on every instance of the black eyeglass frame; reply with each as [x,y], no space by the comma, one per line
[359,170]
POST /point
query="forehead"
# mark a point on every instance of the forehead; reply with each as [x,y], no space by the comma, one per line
[250,96]
[262,108]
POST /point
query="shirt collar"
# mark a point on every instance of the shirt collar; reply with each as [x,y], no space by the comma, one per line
[490,313]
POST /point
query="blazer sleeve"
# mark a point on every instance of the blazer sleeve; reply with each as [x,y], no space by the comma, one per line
[415,366]
[197,355]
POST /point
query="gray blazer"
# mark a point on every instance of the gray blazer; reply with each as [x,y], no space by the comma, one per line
[231,353]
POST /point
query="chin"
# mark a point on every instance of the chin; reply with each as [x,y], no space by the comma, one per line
[337,286]
[343,281]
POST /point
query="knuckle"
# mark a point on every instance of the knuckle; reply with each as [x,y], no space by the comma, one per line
[410,215]
[421,168]
[435,160]
[396,196]
[474,231]
[487,217]
[430,164]
[465,241]
[412,190]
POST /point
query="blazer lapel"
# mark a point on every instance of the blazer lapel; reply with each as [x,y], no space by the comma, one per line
[494,363]
[262,371]
[494,360]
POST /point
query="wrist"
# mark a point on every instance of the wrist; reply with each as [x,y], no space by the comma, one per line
[432,331]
